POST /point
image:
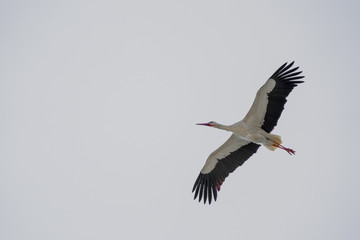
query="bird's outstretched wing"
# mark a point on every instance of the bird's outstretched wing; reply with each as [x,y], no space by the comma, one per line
[223,161]
[271,98]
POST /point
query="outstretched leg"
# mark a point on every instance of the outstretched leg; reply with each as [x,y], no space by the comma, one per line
[289,150]
[274,141]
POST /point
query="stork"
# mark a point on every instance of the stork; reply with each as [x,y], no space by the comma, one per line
[248,134]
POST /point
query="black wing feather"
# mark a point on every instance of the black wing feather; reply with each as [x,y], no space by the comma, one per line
[285,83]
[208,184]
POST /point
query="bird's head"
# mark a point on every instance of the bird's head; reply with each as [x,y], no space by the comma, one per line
[210,124]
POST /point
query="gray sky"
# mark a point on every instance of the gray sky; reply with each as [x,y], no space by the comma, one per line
[99,101]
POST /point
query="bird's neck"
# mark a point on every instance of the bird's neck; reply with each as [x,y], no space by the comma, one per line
[223,127]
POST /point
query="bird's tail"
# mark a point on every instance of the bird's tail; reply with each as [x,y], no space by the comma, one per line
[274,142]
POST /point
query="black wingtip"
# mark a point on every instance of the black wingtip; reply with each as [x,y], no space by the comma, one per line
[286,73]
[204,189]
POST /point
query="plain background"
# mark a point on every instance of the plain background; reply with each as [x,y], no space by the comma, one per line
[99,101]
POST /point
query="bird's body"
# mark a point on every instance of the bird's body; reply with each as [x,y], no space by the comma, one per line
[248,134]
[245,131]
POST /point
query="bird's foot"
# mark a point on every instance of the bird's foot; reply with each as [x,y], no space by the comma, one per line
[289,150]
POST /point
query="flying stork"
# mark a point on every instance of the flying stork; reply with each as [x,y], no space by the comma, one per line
[248,134]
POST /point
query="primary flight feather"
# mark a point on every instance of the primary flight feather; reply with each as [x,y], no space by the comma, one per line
[248,134]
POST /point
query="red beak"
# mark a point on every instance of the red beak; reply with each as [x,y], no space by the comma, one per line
[204,124]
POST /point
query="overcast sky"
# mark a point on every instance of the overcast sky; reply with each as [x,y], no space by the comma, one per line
[99,101]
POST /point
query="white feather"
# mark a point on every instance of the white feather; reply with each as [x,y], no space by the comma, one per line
[231,145]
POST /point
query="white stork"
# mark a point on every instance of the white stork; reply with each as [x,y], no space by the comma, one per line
[249,133]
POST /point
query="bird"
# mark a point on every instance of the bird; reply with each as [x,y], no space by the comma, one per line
[248,134]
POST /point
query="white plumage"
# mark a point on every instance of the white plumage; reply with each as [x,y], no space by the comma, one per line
[248,134]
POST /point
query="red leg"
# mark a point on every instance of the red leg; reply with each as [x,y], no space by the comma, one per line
[289,150]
